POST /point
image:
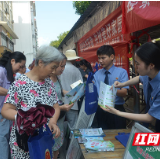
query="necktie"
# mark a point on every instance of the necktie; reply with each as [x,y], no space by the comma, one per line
[106,78]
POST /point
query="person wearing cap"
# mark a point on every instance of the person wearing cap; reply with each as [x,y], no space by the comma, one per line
[70,75]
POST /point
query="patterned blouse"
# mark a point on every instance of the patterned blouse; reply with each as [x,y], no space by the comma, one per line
[24,94]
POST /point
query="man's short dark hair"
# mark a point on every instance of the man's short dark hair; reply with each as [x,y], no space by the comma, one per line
[105,50]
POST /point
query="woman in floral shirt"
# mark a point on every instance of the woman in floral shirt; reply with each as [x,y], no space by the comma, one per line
[30,89]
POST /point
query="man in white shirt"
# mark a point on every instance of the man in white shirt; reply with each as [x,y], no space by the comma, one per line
[70,75]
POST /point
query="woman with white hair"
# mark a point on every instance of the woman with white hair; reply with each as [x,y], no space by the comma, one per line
[30,89]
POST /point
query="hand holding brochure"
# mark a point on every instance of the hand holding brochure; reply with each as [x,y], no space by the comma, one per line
[76,93]
[106,96]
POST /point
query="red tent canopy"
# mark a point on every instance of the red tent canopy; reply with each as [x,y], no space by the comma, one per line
[138,15]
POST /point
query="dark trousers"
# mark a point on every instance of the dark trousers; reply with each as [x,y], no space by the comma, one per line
[157,126]
[106,120]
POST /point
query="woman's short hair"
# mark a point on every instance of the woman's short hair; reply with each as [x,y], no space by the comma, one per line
[48,54]
[149,53]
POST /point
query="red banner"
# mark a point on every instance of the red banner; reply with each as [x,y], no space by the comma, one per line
[107,32]
[138,15]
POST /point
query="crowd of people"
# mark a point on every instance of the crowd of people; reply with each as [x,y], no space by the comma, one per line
[48,80]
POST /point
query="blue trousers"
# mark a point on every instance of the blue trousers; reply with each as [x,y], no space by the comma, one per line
[4,137]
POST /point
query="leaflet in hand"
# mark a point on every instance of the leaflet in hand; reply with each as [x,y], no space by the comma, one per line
[106,96]
[95,132]
[75,84]
[76,93]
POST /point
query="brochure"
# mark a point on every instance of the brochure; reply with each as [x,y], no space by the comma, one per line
[106,96]
[75,84]
[88,139]
[99,145]
[76,93]
[95,132]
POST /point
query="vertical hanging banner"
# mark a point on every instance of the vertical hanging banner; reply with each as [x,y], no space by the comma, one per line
[107,32]
[138,15]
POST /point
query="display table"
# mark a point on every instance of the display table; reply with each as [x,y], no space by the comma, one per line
[119,148]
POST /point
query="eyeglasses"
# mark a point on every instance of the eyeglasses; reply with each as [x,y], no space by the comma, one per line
[22,67]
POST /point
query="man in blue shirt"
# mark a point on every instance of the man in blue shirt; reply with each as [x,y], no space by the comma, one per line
[109,74]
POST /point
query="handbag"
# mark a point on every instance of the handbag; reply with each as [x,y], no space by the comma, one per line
[40,146]
[22,141]
[91,97]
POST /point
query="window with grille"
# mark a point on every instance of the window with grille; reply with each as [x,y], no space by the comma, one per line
[10,45]
[3,40]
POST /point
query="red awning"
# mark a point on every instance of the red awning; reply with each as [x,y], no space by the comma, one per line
[108,31]
[138,15]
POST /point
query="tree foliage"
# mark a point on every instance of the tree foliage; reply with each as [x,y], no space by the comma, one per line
[61,37]
[81,6]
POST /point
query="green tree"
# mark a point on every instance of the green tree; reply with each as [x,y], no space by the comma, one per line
[81,6]
[61,37]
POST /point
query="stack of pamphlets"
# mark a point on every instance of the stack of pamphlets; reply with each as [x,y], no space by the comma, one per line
[96,145]
[88,139]
[93,139]
[94,132]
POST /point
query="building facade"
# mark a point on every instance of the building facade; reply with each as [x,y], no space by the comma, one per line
[7,34]
[25,27]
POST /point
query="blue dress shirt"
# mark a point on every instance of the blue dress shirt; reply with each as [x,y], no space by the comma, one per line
[154,102]
[115,74]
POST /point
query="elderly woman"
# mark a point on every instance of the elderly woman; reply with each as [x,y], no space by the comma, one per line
[30,89]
